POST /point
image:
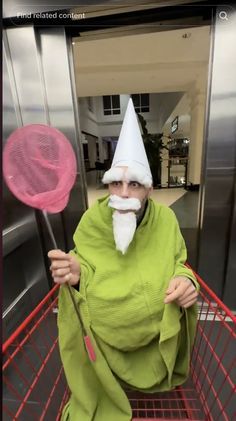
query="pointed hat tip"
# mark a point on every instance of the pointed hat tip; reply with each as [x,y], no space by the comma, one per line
[130,149]
[130,110]
[130,103]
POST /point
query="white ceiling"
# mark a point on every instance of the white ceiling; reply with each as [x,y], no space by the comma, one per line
[147,62]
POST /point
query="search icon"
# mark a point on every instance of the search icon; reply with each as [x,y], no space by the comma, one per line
[223,15]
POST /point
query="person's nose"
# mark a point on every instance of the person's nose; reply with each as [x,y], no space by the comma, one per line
[125,190]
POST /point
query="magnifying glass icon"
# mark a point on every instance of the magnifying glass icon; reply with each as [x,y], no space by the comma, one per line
[223,15]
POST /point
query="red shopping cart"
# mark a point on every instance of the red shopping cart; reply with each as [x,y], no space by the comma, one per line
[34,386]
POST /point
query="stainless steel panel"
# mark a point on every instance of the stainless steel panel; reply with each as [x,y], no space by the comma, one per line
[18,232]
[27,76]
[229,295]
[23,268]
[14,212]
[24,276]
[9,117]
[217,197]
[35,93]
[63,115]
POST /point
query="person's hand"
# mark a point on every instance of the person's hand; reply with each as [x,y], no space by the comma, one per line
[182,291]
[64,267]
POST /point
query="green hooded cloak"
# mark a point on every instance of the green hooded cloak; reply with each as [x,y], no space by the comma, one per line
[139,341]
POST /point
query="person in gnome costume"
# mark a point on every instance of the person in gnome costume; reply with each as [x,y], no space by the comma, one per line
[136,297]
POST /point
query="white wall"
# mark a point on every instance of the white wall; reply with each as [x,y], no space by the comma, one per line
[88,124]
[92,150]
[182,110]
[197,97]
[88,119]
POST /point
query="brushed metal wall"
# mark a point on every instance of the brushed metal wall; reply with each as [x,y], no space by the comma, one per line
[24,276]
[229,294]
[62,113]
[216,246]
[38,88]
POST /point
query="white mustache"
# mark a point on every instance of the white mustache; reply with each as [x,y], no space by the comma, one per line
[119,203]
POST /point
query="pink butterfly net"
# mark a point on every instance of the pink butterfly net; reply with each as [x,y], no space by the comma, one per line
[39,167]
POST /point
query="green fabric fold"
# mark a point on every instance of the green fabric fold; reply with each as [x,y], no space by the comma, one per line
[139,342]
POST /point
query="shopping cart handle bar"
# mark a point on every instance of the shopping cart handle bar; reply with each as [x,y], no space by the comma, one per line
[213,295]
[160,419]
[20,328]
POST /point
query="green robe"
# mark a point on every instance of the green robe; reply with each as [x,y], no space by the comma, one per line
[139,342]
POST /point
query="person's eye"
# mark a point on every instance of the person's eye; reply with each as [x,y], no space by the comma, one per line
[116,183]
[134,184]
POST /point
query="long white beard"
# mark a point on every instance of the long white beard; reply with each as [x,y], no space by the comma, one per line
[124,224]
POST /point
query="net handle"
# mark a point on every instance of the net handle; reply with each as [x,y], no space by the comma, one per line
[87,340]
[49,227]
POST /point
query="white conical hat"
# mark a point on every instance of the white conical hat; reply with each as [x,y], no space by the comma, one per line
[130,148]
[130,151]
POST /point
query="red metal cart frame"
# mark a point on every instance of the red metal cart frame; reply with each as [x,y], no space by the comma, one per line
[34,386]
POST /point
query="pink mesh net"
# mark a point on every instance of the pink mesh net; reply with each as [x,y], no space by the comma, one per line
[39,167]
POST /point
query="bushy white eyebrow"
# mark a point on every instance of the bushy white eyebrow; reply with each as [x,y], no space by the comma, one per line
[130,174]
[136,175]
[113,174]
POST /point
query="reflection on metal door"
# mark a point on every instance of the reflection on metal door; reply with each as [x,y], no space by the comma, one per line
[38,88]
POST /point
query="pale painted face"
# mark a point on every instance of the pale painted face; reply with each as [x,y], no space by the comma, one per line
[131,189]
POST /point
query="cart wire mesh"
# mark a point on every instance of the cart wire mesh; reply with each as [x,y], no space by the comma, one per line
[35,388]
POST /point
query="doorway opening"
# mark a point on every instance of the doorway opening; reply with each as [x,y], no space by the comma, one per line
[166,73]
